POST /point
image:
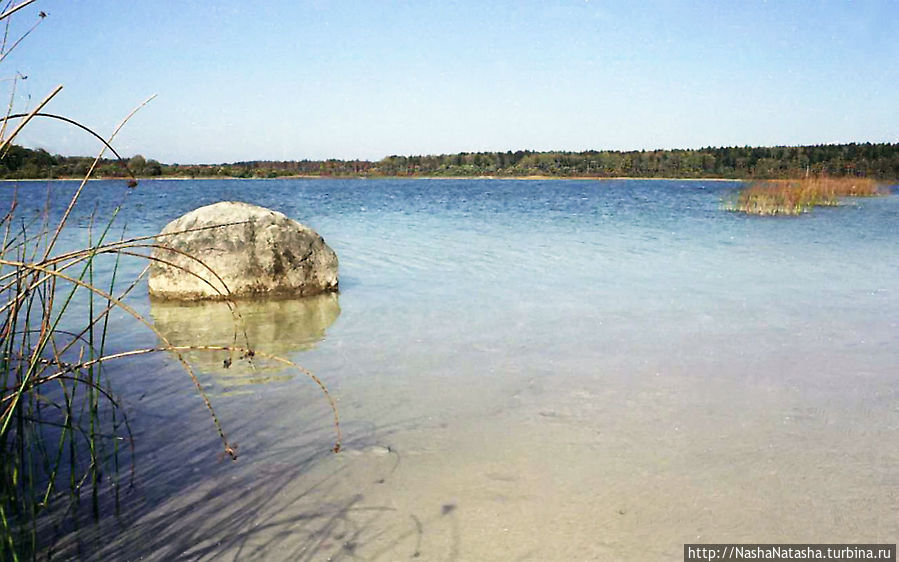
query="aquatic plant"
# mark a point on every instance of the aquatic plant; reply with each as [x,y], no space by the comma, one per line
[64,438]
[793,197]
[61,426]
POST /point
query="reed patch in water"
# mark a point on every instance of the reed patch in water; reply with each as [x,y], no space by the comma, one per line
[794,197]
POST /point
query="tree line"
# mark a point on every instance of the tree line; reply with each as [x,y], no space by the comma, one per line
[873,160]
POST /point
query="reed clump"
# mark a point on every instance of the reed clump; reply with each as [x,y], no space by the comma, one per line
[797,196]
[65,442]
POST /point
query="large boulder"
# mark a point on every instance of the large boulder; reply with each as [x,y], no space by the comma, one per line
[254,250]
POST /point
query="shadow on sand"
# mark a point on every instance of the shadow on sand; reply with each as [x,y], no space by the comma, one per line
[295,501]
[288,497]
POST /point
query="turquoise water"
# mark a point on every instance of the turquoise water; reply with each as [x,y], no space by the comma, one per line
[525,370]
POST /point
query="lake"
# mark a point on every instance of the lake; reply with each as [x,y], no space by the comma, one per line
[525,370]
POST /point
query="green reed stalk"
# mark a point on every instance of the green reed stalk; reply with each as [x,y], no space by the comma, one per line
[52,431]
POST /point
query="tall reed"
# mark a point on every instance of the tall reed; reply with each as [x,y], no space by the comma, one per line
[65,441]
[793,197]
[61,427]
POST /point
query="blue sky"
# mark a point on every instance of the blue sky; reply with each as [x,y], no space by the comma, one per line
[293,80]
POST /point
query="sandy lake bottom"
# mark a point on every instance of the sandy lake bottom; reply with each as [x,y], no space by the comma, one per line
[529,371]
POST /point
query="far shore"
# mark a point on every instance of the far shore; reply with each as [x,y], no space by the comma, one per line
[361,177]
[318,177]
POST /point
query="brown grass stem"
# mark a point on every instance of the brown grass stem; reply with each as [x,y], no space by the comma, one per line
[90,172]
[20,39]
[134,314]
[244,351]
[15,9]
[4,142]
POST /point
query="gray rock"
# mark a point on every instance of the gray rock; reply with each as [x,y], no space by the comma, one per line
[265,253]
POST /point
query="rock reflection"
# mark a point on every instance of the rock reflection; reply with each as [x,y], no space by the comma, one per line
[278,327]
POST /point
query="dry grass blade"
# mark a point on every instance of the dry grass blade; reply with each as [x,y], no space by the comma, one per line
[76,337]
[20,39]
[77,194]
[244,351]
[74,258]
[80,255]
[53,329]
[29,117]
[15,9]
[12,94]
[77,257]
[137,316]
[81,126]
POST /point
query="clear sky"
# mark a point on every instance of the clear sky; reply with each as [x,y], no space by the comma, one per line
[293,79]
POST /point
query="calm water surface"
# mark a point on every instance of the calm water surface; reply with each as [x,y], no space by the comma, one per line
[525,370]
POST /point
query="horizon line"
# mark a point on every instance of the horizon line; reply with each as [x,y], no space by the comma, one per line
[508,151]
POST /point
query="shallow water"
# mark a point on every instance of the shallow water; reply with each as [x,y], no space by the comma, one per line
[546,370]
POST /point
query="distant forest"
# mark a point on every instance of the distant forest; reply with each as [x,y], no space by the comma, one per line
[879,161]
